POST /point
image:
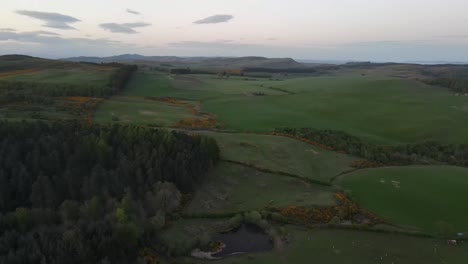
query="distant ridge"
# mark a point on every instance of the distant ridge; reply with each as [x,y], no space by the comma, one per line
[16,62]
[202,62]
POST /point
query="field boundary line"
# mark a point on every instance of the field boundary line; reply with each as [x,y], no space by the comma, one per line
[311,181]
[341,174]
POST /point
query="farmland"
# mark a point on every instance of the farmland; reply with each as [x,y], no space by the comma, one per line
[381,109]
[282,154]
[317,197]
[229,184]
[400,195]
[261,171]
[87,75]
[52,90]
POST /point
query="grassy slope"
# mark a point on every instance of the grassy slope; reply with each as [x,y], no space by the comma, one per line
[138,110]
[382,109]
[426,195]
[232,188]
[9,63]
[338,246]
[90,75]
[132,106]
[282,154]
[353,104]
[147,84]
[49,72]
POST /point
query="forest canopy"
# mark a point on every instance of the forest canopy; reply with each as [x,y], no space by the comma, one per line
[71,193]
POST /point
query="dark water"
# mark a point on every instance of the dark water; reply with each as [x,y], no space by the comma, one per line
[247,238]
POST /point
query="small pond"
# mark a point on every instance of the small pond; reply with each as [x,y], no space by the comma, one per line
[247,238]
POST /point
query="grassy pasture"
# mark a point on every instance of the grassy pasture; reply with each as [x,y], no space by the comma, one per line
[42,93]
[416,196]
[381,109]
[11,63]
[145,83]
[282,154]
[138,110]
[91,75]
[340,246]
[232,188]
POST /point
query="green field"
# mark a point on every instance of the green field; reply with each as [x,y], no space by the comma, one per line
[378,108]
[90,75]
[145,83]
[259,170]
[282,154]
[382,109]
[232,188]
[418,197]
[37,89]
[138,110]
[350,247]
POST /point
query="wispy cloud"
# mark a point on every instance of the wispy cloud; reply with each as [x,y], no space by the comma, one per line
[214,19]
[125,28]
[133,12]
[45,37]
[42,32]
[42,44]
[52,20]
[8,29]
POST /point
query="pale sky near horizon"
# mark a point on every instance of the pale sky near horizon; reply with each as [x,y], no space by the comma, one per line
[377,30]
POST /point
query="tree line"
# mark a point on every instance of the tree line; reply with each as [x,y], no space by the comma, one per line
[426,152]
[14,91]
[458,85]
[281,70]
[71,193]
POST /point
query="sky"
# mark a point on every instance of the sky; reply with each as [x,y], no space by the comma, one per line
[364,30]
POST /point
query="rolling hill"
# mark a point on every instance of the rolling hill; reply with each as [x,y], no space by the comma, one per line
[198,62]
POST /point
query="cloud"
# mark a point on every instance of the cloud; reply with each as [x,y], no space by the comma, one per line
[133,12]
[42,32]
[8,29]
[214,19]
[45,37]
[42,44]
[125,28]
[52,20]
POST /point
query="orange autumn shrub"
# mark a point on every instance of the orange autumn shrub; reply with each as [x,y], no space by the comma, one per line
[345,210]
[18,72]
[364,164]
[195,123]
[82,106]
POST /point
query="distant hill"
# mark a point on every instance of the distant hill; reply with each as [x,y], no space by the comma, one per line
[23,62]
[198,62]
